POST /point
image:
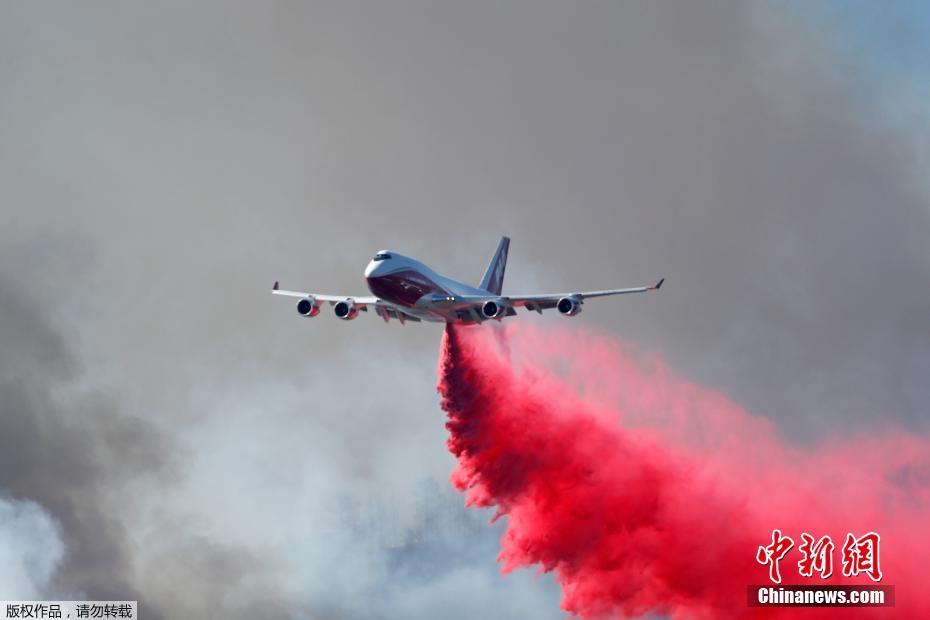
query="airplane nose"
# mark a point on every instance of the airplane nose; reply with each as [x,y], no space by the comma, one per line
[371,269]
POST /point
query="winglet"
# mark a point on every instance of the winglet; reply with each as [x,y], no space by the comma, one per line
[659,285]
[275,287]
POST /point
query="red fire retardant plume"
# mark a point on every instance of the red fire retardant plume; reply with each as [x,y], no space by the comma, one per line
[644,493]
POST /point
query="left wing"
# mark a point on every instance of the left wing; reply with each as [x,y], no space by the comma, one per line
[572,303]
[539,302]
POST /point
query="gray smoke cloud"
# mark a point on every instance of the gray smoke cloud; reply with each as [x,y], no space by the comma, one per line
[31,547]
[65,454]
[181,437]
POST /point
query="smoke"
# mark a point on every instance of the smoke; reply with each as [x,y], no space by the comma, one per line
[644,493]
[31,548]
[68,461]
[162,165]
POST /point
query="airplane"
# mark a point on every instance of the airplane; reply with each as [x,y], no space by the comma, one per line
[407,290]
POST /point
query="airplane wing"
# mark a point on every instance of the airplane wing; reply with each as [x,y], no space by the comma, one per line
[359,301]
[532,301]
[543,302]
[383,309]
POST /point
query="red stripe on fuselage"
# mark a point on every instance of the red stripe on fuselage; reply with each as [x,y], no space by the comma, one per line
[403,287]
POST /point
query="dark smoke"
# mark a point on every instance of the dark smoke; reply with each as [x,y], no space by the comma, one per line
[646,494]
[74,456]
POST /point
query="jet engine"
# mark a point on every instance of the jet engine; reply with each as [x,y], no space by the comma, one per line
[569,306]
[493,308]
[346,310]
[308,307]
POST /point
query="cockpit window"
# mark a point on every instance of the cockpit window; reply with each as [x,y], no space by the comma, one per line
[381,256]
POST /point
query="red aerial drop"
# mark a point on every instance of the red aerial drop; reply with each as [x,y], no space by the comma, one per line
[645,493]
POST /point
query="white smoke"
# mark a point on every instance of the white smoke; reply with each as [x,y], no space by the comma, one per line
[31,549]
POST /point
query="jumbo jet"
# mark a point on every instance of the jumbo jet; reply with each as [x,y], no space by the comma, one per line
[407,290]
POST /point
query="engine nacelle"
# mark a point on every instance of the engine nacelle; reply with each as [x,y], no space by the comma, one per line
[493,308]
[346,310]
[569,306]
[308,307]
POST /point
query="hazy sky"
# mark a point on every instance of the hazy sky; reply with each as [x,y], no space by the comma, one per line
[169,431]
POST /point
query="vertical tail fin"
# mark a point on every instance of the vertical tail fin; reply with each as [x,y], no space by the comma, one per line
[493,280]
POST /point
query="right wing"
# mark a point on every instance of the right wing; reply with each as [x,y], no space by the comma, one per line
[332,299]
[383,309]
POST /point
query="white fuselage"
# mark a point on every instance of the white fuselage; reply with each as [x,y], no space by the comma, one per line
[416,289]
